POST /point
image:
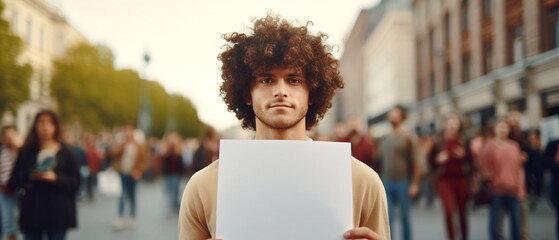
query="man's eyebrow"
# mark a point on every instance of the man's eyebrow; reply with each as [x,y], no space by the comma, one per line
[265,75]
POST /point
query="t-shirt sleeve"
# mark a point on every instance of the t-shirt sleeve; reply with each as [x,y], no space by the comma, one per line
[372,200]
[378,220]
[192,220]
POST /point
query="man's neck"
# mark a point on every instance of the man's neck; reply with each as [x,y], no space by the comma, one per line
[297,132]
[396,129]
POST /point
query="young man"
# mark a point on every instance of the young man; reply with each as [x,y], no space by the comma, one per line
[400,169]
[279,81]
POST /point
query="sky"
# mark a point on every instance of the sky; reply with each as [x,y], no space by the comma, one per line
[183,38]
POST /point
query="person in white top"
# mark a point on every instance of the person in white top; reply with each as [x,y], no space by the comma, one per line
[129,160]
[8,153]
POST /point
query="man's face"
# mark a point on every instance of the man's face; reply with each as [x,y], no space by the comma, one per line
[395,116]
[279,98]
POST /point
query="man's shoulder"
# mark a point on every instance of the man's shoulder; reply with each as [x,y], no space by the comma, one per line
[362,173]
[205,175]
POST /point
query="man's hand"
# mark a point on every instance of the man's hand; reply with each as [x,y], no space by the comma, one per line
[361,233]
[413,191]
[136,174]
[49,176]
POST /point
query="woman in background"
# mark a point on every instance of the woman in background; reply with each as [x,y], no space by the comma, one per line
[46,176]
[501,164]
[451,166]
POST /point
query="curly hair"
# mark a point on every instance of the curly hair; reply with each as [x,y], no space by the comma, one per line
[278,43]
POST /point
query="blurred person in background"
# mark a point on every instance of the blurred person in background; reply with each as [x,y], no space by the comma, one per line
[362,146]
[9,147]
[501,164]
[551,163]
[93,162]
[106,152]
[340,132]
[189,147]
[427,142]
[46,176]
[533,168]
[173,170]
[70,140]
[400,170]
[129,159]
[451,166]
[153,165]
[515,119]
[208,150]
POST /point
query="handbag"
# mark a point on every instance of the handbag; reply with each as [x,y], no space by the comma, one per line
[109,183]
[483,196]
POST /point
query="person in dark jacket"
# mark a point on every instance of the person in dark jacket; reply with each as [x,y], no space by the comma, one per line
[173,170]
[46,176]
[551,162]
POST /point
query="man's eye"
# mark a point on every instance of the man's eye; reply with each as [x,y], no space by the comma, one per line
[267,80]
[294,80]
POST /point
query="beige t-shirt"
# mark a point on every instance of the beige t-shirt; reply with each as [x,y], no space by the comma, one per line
[198,204]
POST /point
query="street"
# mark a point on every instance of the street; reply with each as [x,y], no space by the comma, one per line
[156,222]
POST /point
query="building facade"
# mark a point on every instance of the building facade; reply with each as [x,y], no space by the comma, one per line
[484,58]
[46,34]
[378,65]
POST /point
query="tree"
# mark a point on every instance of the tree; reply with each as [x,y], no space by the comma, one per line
[14,78]
[91,92]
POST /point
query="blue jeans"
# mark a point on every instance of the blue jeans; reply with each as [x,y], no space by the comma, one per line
[397,192]
[128,191]
[172,182]
[51,235]
[513,205]
[8,210]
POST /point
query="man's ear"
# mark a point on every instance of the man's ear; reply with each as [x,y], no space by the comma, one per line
[248,100]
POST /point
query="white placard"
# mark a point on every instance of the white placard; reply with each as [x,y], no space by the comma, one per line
[279,189]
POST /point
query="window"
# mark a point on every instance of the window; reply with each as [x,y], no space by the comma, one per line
[433,89]
[448,76]
[551,25]
[60,44]
[29,31]
[518,44]
[42,38]
[487,8]
[465,15]
[446,29]
[556,26]
[465,68]
[488,57]
[15,18]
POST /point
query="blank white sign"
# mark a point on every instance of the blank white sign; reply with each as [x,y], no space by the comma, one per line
[279,189]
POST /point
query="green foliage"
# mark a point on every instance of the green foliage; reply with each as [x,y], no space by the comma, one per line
[90,91]
[14,78]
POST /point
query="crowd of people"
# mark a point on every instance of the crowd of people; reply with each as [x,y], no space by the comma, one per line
[501,167]
[43,177]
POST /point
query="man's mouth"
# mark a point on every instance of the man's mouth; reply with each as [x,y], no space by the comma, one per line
[280,106]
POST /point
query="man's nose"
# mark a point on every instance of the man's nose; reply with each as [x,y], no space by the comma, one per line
[280,90]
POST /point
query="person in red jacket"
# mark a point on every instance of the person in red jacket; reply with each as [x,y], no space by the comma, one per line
[93,162]
[451,166]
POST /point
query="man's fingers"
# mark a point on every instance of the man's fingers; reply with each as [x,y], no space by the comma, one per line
[361,233]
